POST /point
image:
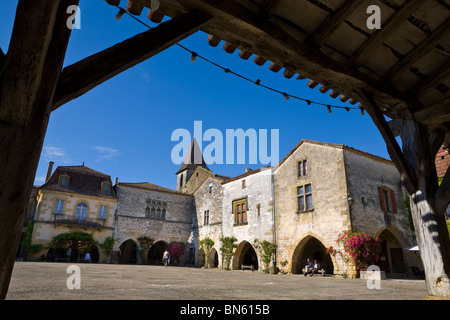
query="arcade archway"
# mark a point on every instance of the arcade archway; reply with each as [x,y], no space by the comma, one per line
[79,244]
[128,252]
[391,256]
[312,248]
[155,254]
[245,255]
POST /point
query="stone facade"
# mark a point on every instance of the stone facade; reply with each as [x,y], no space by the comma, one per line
[208,206]
[317,191]
[56,211]
[161,214]
[254,188]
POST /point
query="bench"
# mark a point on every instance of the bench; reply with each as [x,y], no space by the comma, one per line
[307,270]
[61,259]
[251,267]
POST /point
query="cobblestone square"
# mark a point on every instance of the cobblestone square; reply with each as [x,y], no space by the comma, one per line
[48,281]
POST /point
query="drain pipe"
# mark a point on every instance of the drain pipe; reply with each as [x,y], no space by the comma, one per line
[274,263]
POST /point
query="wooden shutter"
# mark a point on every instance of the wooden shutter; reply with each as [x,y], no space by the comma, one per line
[394,202]
[382,199]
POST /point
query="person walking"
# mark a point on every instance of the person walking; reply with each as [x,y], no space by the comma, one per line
[166,256]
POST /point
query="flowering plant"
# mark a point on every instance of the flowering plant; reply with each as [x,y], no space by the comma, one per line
[228,249]
[360,248]
[176,250]
[145,242]
[206,244]
[267,249]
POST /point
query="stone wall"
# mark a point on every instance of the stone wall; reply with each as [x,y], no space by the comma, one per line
[258,192]
[132,221]
[208,197]
[330,215]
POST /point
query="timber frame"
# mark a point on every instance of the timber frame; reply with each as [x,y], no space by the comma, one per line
[401,71]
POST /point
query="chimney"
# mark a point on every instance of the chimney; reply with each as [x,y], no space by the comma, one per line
[49,170]
[117,181]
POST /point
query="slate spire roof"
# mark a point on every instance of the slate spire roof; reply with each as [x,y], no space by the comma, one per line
[194,158]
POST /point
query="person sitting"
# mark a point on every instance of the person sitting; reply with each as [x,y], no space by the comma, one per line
[309,266]
[315,268]
[87,257]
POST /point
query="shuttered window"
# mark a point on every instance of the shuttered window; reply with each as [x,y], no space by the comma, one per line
[388,202]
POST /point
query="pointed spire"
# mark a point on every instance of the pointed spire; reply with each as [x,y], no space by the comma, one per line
[194,158]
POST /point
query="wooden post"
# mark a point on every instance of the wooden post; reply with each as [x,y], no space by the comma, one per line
[30,78]
[416,164]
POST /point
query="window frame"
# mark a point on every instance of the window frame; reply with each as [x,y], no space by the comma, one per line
[302,168]
[81,216]
[240,208]
[387,198]
[58,206]
[305,198]
[102,214]
[60,179]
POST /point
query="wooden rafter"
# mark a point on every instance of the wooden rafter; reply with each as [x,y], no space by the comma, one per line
[393,147]
[432,80]
[370,45]
[332,22]
[421,50]
[85,75]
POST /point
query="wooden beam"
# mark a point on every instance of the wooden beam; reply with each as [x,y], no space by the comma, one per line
[332,22]
[85,75]
[267,39]
[431,81]
[266,7]
[406,173]
[20,88]
[370,46]
[431,41]
[21,144]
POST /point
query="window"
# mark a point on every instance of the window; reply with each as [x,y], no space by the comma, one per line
[106,188]
[210,189]
[64,180]
[258,210]
[243,184]
[304,198]
[81,211]
[303,168]
[240,211]
[388,202]
[59,207]
[206,217]
[103,212]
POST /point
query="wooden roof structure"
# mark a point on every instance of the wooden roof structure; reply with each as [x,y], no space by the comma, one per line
[405,65]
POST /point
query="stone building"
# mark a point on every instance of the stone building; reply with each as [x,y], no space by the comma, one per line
[75,201]
[322,189]
[161,214]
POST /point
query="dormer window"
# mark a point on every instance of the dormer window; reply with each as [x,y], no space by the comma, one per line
[64,180]
[106,188]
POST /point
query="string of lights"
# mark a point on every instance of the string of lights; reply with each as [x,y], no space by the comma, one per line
[195,55]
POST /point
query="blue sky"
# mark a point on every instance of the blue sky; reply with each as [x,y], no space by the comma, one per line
[124,126]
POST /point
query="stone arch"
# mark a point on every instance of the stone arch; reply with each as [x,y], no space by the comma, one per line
[245,255]
[311,246]
[213,258]
[128,252]
[156,252]
[78,247]
[392,258]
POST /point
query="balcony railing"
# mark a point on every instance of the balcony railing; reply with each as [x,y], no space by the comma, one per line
[85,222]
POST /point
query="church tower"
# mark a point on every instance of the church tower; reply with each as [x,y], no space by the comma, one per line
[194,159]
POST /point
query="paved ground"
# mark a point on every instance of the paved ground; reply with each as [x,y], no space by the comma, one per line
[48,281]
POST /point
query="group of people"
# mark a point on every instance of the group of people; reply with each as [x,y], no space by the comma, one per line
[311,267]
